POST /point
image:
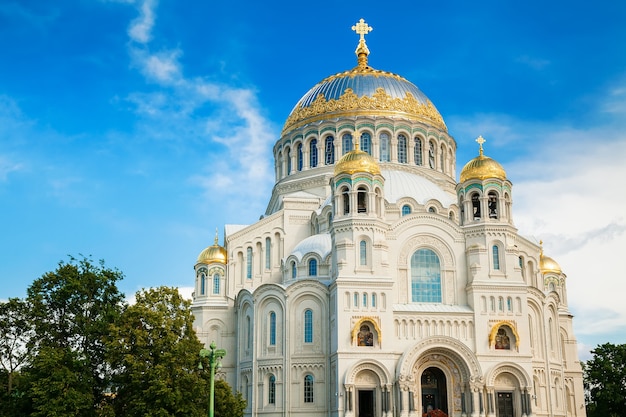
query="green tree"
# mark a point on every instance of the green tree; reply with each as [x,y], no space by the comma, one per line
[228,404]
[156,354]
[73,308]
[16,332]
[605,381]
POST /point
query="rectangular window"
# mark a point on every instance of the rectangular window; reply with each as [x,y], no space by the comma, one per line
[268,253]
[308,326]
[308,389]
[249,263]
[216,284]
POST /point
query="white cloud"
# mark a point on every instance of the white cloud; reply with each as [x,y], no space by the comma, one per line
[7,166]
[140,29]
[227,117]
[533,62]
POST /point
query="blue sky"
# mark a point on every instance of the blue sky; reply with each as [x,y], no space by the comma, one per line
[131,130]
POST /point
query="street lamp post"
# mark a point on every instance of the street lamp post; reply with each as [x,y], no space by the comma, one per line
[214,356]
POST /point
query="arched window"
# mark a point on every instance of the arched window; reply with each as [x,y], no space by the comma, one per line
[417,152]
[300,157]
[496,257]
[294,270]
[365,297]
[288,161]
[271,394]
[356,299]
[308,389]
[346,200]
[509,304]
[202,284]
[492,204]
[248,332]
[346,143]
[402,149]
[476,206]
[268,253]
[431,155]
[249,263]
[312,267]
[366,143]
[362,200]
[383,147]
[216,284]
[313,153]
[442,158]
[406,210]
[329,150]
[272,329]
[432,210]
[374,300]
[425,277]
[363,253]
[280,165]
[308,326]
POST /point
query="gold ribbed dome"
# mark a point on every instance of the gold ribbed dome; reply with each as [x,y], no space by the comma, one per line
[213,254]
[357,161]
[482,167]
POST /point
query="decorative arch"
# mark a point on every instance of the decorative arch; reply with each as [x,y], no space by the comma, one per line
[523,379]
[370,365]
[363,320]
[457,352]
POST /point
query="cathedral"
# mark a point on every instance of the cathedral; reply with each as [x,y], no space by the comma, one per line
[376,284]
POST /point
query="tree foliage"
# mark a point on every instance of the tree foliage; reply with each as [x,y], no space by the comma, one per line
[228,404]
[155,351]
[605,381]
[72,309]
[17,331]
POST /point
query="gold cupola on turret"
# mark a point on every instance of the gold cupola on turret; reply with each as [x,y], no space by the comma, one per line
[357,161]
[213,254]
[482,167]
[547,264]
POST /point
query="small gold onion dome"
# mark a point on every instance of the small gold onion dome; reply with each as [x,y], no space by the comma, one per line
[357,161]
[547,264]
[213,254]
[482,167]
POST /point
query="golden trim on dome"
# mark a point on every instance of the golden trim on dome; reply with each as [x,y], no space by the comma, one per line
[349,101]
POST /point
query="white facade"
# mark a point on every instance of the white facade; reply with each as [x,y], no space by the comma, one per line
[376,284]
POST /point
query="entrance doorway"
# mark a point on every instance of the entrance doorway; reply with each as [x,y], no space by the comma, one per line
[505,404]
[434,394]
[366,403]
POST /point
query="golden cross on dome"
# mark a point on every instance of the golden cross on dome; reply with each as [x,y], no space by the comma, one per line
[480,141]
[362,29]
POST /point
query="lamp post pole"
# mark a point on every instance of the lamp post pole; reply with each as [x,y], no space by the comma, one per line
[214,356]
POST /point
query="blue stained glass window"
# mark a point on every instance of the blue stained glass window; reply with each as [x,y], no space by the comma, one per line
[346,143]
[406,210]
[425,277]
[272,328]
[308,326]
[308,389]
[313,153]
[402,149]
[366,143]
[313,267]
[363,253]
[271,395]
[216,284]
[268,253]
[417,153]
[496,257]
[330,150]
[249,263]
[384,147]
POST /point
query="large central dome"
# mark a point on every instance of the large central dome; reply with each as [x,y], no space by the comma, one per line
[363,90]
